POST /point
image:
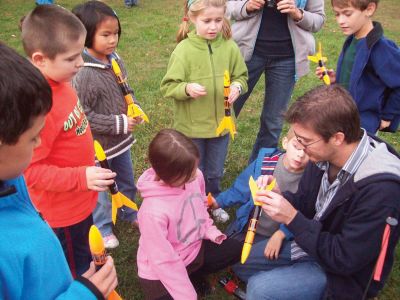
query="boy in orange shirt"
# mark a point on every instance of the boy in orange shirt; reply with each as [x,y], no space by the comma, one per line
[62,178]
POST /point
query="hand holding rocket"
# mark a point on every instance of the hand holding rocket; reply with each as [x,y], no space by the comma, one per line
[134,110]
[251,231]
[117,198]
[320,60]
[227,121]
[99,254]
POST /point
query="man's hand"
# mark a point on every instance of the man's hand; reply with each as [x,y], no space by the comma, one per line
[253,5]
[289,7]
[98,179]
[276,206]
[195,90]
[104,279]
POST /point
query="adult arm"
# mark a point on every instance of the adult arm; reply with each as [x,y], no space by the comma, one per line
[313,16]
[344,252]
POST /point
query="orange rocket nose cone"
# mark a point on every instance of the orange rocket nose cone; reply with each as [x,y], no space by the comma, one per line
[95,241]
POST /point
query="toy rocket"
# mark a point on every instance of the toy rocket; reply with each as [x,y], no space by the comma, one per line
[117,198]
[99,254]
[133,109]
[227,121]
[320,60]
[251,230]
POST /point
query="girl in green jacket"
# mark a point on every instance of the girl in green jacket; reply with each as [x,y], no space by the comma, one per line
[195,82]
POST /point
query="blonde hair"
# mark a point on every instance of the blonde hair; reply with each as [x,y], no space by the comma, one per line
[194,10]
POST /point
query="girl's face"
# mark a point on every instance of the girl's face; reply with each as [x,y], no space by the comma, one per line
[209,22]
[105,39]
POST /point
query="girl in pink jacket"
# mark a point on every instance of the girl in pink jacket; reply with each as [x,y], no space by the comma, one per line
[179,244]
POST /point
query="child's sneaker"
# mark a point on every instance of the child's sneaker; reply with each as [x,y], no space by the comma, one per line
[220,215]
[110,241]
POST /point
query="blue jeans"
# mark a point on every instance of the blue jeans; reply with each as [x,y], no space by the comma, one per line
[74,240]
[131,2]
[212,158]
[122,165]
[281,278]
[279,83]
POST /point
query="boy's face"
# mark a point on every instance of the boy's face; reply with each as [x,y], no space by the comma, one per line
[294,160]
[14,159]
[352,20]
[65,65]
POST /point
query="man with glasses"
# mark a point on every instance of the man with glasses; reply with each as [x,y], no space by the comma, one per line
[347,197]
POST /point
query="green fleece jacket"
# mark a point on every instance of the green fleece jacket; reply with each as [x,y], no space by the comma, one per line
[196,60]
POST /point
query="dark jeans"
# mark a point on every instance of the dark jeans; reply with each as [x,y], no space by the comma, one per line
[74,240]
[212,158]
[279,84]
[211,258]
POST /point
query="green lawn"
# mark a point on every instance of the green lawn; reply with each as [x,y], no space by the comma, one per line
[148,38]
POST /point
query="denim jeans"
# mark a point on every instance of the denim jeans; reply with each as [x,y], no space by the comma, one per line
[122,165]
[131,2]
[74,240]
[279,84]
[212,158]
[281,278]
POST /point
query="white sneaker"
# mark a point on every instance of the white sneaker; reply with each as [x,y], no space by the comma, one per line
[110,241]
[220,215]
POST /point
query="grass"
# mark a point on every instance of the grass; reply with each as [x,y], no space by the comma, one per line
[147,40]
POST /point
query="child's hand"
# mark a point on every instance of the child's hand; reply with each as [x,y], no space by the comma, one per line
[98,179]
[195,90]
[104,279]
[331,74]
[213,204]
[384,124]
[132,122]
[234,94]
[274,245]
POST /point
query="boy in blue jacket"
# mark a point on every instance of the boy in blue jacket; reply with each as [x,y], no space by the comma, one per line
[287,167]
[369,65]
[32,264]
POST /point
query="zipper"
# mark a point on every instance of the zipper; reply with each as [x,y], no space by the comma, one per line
[214,83]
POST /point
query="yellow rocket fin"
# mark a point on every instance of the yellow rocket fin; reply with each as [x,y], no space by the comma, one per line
[326,79]
[135,111]
[113,210]
[254,188]
[226,123]
[313,58]
[128,202]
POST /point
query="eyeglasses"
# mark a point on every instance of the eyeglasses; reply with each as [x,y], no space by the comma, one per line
[300,145]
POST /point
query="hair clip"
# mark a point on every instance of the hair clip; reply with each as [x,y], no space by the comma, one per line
[185,19]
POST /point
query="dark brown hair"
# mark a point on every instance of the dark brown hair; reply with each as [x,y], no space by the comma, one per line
[50,29]
[359,4]
[91,14]
[24,95]
[173,156]
[327,110]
